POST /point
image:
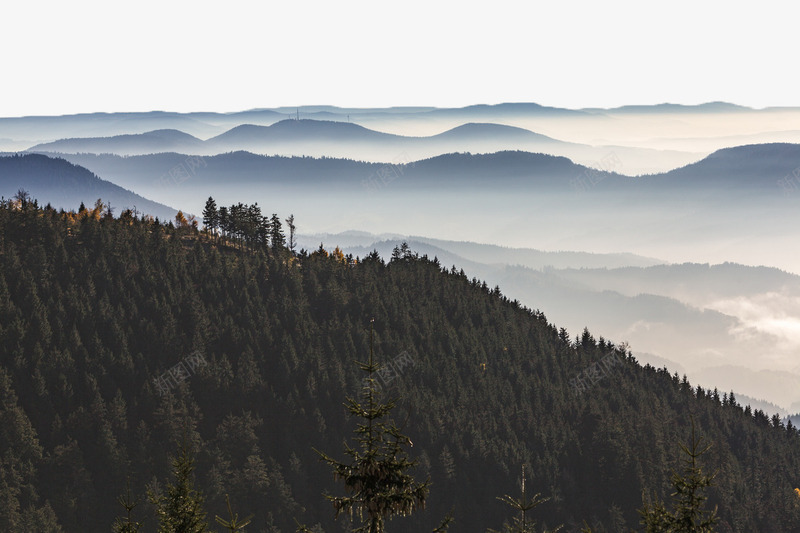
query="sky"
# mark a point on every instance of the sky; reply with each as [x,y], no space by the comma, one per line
[88,56]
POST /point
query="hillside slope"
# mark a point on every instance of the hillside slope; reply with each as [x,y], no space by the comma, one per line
[65,185]
[94,311]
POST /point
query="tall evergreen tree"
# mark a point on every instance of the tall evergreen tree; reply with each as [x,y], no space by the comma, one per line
[688,515]
[277,238]
[252,223]
[292,243]
[234,524]
[127,524]
[180,510]
[523,523]
[224,221]
[402,252]
[376,478]
[211,215]
[264,231]
[236,214]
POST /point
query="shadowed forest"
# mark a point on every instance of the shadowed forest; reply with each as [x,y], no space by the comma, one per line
[124,338]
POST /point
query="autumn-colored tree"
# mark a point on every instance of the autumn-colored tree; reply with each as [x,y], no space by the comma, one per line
[180,220]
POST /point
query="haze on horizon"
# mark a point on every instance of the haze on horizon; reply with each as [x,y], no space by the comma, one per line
[183,56]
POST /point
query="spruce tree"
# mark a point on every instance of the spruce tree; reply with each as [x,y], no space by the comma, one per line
[688,514]
[180,510]
[211,215]
[377,477]
[234,524]
[277,238]
[522,523]
[292,243]
[224,221]
[127,525]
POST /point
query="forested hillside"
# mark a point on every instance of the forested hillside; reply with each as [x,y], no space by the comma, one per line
[98,315]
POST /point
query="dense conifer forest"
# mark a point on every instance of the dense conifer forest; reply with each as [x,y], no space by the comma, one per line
[124,339]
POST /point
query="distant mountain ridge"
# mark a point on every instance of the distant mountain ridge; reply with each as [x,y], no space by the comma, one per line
[532,171]
[152,141]
[748,166]
[262,138]
[287,136]
[754,167]
[489,254]
[634,132]
[65,185]
[480,129]
[343,139]
[709,107]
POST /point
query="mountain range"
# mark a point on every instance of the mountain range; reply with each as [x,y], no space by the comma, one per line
[668,230]
[326,138]
[648,139]
[608,292]
[518,198]
[724,173]
[65,185]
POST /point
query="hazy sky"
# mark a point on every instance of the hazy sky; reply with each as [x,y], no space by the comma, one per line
[66,57]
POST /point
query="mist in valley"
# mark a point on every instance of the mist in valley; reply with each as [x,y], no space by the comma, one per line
[417,175]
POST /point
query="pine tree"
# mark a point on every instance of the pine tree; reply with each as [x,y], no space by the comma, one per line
[688,515]
[376,479]
[264,231]
[251,223]
[522,523]
[278,240]
[402,252]
[181,509]
[292,244]
[211,215]
[127,525]
[236,214]
[234,524]
[224,221]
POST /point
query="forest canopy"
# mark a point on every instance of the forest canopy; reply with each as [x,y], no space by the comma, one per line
[124,337]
